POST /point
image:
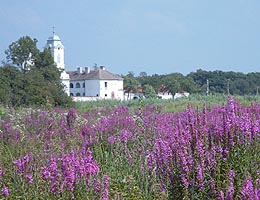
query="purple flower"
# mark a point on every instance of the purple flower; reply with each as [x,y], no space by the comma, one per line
[111,139]
[105,192]
[125,135]
[200,177]
[29,178]
[150,160]
[247,191]
[231,174]
[221,195]
[106,180]
[1,172]
[22,163]
[71,117]
[5,192]
[230,191]
[45,173]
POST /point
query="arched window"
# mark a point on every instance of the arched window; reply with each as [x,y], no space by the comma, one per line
[71,85]
[77,85]
[71,94]
[78,94]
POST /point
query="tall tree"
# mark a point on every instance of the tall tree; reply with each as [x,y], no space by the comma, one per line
[130,83]
[19,51]
[149,91]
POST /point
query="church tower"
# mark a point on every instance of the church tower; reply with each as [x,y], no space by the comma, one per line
[57,50]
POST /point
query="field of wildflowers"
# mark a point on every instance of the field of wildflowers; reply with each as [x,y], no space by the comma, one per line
[115,153]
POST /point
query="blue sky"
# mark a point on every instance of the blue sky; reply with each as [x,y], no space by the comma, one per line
[152,36]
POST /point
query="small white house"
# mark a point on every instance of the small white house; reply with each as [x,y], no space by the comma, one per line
[98,83]
[181,95]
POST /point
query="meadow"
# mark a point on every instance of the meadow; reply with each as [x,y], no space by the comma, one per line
[194,148]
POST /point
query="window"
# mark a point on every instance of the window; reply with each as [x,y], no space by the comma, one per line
[83,94]
[105,84]
[78,94]
[105,95]
[83,85]
[77,85]
[71,85]
[71,94]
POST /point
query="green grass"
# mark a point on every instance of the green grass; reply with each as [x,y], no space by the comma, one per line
[166,105]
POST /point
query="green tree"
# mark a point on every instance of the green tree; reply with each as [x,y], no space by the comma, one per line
[172,82]
[130,83]
[149,91]
[19,51]
[14,86]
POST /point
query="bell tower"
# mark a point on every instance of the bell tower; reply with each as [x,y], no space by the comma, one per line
[57,49]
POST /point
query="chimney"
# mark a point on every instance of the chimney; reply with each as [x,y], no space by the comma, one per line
[102,67]
[87,70]
[79,69]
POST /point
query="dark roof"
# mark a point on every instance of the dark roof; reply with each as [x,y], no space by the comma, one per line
[99,74]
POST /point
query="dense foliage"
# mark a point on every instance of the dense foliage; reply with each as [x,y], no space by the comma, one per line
[196,82]
[41,85]
[208,153]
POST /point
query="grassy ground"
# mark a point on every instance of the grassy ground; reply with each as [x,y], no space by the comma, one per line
[170,105]
[143,149]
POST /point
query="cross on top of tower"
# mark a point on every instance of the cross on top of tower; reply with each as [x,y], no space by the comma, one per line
[53,30]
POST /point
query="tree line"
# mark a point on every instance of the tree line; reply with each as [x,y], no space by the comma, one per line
[199,82]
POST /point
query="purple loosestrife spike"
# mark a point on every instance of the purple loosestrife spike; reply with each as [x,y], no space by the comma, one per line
[45,172]
[1,172]
[150,160]
[71,117]
[5,192]
[200,177]
[112,139]
[221,195]
[231,174]
[22,163]
[247,191]
[105,192]
[125,135]
[230,191]
[29,178]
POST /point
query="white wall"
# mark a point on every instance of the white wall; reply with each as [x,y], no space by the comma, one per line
[75,90]
[92,88]
[114,89]
[96,88]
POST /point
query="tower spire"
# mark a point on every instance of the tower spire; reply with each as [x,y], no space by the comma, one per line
[53,30]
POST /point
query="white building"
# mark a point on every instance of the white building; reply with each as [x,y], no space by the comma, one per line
[181,95]
[98,83]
